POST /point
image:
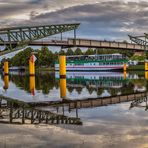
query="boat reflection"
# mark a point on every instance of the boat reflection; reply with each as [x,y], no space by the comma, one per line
[62,111]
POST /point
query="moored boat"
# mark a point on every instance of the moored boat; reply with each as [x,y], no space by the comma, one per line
[103,62]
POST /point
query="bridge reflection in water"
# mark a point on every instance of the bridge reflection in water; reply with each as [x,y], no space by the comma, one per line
[55,112]
[15,112]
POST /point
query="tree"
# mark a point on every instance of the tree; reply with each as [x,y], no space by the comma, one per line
[61,52]
[69,52]
[78,52]
[21,58]
[45,57]
[89,51]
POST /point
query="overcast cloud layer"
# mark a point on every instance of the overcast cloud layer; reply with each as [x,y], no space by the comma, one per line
[99,18]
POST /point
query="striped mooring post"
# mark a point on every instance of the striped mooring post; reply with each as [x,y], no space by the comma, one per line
[146,65]
[62,69]
[6,67]
[32,65]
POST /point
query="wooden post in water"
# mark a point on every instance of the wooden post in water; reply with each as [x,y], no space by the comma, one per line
[6,67]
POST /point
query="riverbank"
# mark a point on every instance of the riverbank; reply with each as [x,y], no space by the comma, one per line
[140,67]
[136,68]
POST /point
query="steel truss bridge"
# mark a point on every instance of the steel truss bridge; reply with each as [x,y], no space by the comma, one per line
[16,38]
[140,40]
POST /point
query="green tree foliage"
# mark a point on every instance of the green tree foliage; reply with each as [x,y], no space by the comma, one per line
[89,51]
[46,57]
[146,53]
[62,52]
[21,58]
[69,52]
[138,58]
[112,51]
[78,52]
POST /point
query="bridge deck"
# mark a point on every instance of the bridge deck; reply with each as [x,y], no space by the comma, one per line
[92,102]
[86,43]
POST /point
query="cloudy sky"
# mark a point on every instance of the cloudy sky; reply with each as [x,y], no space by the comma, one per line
[100,19]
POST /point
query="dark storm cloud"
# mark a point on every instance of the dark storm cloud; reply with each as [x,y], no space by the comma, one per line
[110,19]
[113,18]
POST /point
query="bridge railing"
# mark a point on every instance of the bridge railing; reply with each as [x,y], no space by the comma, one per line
[104,44]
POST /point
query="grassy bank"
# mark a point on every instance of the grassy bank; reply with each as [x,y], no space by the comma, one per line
[136,68]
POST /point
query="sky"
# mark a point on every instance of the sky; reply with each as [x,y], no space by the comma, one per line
[100,19]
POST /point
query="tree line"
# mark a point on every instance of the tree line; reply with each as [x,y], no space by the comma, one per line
[45,57]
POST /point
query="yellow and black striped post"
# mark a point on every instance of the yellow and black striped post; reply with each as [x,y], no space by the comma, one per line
[62,66]
[31,66]
[6,67]
[6,82]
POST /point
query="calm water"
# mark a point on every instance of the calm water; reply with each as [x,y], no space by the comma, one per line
[112,125]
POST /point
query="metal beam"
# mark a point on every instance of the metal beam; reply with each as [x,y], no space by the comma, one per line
[25,35]
[139,41]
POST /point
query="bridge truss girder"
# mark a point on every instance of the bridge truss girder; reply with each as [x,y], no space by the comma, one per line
[140,40]
[16,37]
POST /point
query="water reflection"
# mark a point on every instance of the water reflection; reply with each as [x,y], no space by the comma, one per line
[48,86]
[108,105]
[6,82]
[32,84]
[63,88]
[15,112]
[141,102]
